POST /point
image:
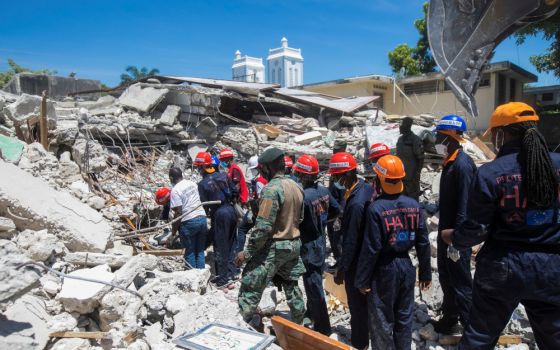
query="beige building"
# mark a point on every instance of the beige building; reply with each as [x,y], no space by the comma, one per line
[428,93]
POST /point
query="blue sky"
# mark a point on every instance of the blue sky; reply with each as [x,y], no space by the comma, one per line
[98,39]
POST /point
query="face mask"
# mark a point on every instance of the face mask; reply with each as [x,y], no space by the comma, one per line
[498,140]
[441,149]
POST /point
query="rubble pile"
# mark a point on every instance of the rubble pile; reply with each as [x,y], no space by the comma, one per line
[62,210]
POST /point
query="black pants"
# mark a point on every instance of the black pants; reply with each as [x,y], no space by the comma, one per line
[358,305]
[224,227]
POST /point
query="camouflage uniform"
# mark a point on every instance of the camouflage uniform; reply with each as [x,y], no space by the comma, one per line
[268,257]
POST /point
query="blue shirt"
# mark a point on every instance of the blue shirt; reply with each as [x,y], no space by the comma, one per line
[215,187]
[319,205]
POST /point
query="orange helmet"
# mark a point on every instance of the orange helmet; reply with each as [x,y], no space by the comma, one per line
[225,153]
[162,195]
[307,164]
[511,113]
[390,168]
[377,150]
[342,162]
[288,162]
[203,158]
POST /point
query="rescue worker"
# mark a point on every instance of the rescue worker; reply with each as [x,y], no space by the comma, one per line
[393,225]
[358,195]
[235,175]
[289,164]
[216,163]
[163,195]
[454,267]
[513,208]
[273,249]
[376,151]
[215,186]
[319,205]
[192,228]
[410,150]
[337,191]
[257,183]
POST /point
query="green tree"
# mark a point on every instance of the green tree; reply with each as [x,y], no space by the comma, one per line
[133,73]
[16,68]
[549,61]
[414,60]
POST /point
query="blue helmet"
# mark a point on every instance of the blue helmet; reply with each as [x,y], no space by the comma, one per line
[452,122]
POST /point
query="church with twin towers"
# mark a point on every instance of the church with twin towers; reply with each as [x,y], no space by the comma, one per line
[284,66]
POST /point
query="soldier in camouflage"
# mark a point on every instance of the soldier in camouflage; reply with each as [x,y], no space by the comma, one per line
[273,249]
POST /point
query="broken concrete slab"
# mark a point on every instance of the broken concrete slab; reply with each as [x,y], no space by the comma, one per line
[170,115]
[27,106]
[40,206]
[135,265]
[62,323]
[71,344]
[308,137]
[207,129]
[15,282]
[93,259]
[24,325]
[142,99]
[6,224]
[83,296]
[89,155]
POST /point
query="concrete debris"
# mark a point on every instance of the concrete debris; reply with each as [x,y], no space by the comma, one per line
[308,137]
[24,325]
[94,259]
[62,322]
[142,99]
[82,296]
[72,344]
[170,115]
[89,155]
[40,245]
[27,106]
[39,206]
[14,282]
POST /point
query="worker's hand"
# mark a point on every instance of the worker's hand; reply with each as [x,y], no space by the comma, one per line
[239,259]
[339,277]
[425,285]
[447,235]
[364,291]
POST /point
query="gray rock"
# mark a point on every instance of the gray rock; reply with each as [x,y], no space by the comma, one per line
[6,224]
[15,282]
[142,99]
[169,116]
[96,202]
[40,245]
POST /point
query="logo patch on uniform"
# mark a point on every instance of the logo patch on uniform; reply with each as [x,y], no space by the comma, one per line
[539,217]
[265,206]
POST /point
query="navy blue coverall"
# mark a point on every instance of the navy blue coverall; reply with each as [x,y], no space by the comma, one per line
[352,236]
[216,186]
[319,205]
[520,260]
[335,236]
[455,277]
[393,225]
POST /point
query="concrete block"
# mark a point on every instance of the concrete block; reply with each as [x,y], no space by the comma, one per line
[94,259]
[169,116]
[15,282]
[207,129]
[308,137]
[27,106]
[82,296]
[24,325]
[75,223]
[142,99]
[39,245]
[6,224]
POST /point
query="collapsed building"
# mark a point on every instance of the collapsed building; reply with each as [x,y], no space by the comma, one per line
[82,208]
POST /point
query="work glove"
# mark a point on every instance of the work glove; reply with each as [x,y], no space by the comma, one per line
[453,253]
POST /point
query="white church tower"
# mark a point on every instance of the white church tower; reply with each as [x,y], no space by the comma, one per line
[248,69]
[285,66]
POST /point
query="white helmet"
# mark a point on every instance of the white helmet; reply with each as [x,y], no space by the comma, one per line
[253,162]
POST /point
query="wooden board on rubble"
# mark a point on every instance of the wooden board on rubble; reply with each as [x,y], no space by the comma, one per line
[292,336]
[82,335]
[503,340]
[484,148]
[338,291]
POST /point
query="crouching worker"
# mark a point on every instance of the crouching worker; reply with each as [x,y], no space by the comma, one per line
[393,225]
[274,246]
[215,186]
[185,202]
[318,204]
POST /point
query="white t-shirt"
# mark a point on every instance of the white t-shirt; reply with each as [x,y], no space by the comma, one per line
[185,194]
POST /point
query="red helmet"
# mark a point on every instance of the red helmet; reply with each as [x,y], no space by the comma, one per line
[342,162]
[377,150]
[203,158]
[288,162]
[307,164]
[162,195]
[225,153]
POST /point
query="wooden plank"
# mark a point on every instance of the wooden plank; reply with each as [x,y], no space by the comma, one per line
[503,340]
[338,291]
[292,336]
[83,335]
[162,252]
[484,148]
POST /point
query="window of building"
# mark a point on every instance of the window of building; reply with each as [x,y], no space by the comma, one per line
[484,81]
[424,87]
[547,97]
[279,76]
[273,76]
[291,76]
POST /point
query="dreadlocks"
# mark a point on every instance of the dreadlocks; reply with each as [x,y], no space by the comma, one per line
[539,177]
